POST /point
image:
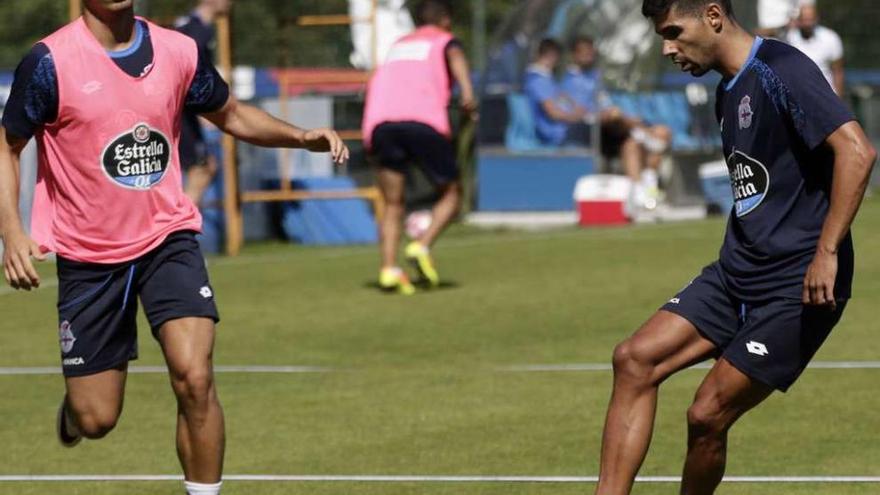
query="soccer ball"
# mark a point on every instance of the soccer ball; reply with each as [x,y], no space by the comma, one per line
[417,223]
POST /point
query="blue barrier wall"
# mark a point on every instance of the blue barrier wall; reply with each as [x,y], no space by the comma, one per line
[539,182]
[328,221]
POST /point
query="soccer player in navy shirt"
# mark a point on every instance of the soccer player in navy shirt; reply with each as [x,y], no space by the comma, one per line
[197,163]
[799,165]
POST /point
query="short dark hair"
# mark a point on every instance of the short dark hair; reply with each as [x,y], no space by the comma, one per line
[581,39]
[432,11]
[549,45]
[654,8]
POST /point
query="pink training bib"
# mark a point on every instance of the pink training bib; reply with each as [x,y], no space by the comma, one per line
[109,186]
[413,84]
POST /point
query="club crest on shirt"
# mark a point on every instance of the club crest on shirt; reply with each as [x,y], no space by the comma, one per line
[65,337]
[749,180]
[745,112]
[137,158]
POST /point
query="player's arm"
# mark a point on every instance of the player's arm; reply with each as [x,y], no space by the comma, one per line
[33,101]
[18,248]
[557,113]
[255,126]
[544,91]
[837,74]
[210,97]
[458,66]
[836,55]
[854,157]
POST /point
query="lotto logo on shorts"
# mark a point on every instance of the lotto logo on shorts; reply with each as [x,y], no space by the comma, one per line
[138,158]
[757,348]
[65,337]
[206,292]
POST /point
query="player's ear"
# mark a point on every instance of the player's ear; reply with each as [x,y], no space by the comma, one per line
[714,16]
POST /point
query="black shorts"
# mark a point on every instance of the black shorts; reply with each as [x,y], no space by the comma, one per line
[397,145]
[193,149]
[613,135]
[97,304]
[771,342]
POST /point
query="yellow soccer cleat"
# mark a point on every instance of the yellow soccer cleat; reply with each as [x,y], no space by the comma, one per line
[419,257]
[394,279]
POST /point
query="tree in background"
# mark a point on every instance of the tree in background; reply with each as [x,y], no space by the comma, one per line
[25,24]
[265,32]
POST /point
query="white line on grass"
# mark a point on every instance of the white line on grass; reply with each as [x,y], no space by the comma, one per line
[536,368]
[431,479]
[578,367]
[142,370]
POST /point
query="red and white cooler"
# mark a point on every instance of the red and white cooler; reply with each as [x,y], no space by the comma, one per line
[601,198]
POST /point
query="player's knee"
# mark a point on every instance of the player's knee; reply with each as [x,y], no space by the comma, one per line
[452,189]
[706,417]
[97,423]
[194,386]
[630,364]
[394,203]
[629,144]
[662,132]
[452,193]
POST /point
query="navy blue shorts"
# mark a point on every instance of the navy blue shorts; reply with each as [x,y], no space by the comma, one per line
[398,145]
[771,342]
[97,304]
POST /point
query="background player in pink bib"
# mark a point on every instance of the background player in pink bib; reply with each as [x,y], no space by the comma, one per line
[406,122]
[103,96]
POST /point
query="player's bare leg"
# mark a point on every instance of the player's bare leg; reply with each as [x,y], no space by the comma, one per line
[199,178]
[666,343]
[631,159]
[724,396]
[391,276]
[661,135]
[443,213]
[391,184]
[188,345]
[94,403]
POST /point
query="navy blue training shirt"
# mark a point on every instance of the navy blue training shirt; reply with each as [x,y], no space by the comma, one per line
[204,34]
[33,100]
[775,116]
[192,139]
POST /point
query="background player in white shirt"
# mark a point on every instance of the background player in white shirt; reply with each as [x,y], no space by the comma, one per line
[774,17]
[820,43]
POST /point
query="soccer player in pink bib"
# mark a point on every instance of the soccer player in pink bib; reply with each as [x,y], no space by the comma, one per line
[406,122]
[103,96]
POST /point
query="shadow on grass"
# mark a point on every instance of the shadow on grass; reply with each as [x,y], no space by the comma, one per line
[422,287]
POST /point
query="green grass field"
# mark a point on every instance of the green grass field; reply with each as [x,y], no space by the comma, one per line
[419,385]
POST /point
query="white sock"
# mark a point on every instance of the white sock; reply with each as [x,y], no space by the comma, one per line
[202,488]
[650,178]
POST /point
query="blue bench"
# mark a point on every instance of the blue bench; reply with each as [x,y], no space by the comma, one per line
[667,108]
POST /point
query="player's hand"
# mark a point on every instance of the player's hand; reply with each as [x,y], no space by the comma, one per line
[612,113]
[470,105]
[327,140]
[578,115]
[819,282]
[17,264]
